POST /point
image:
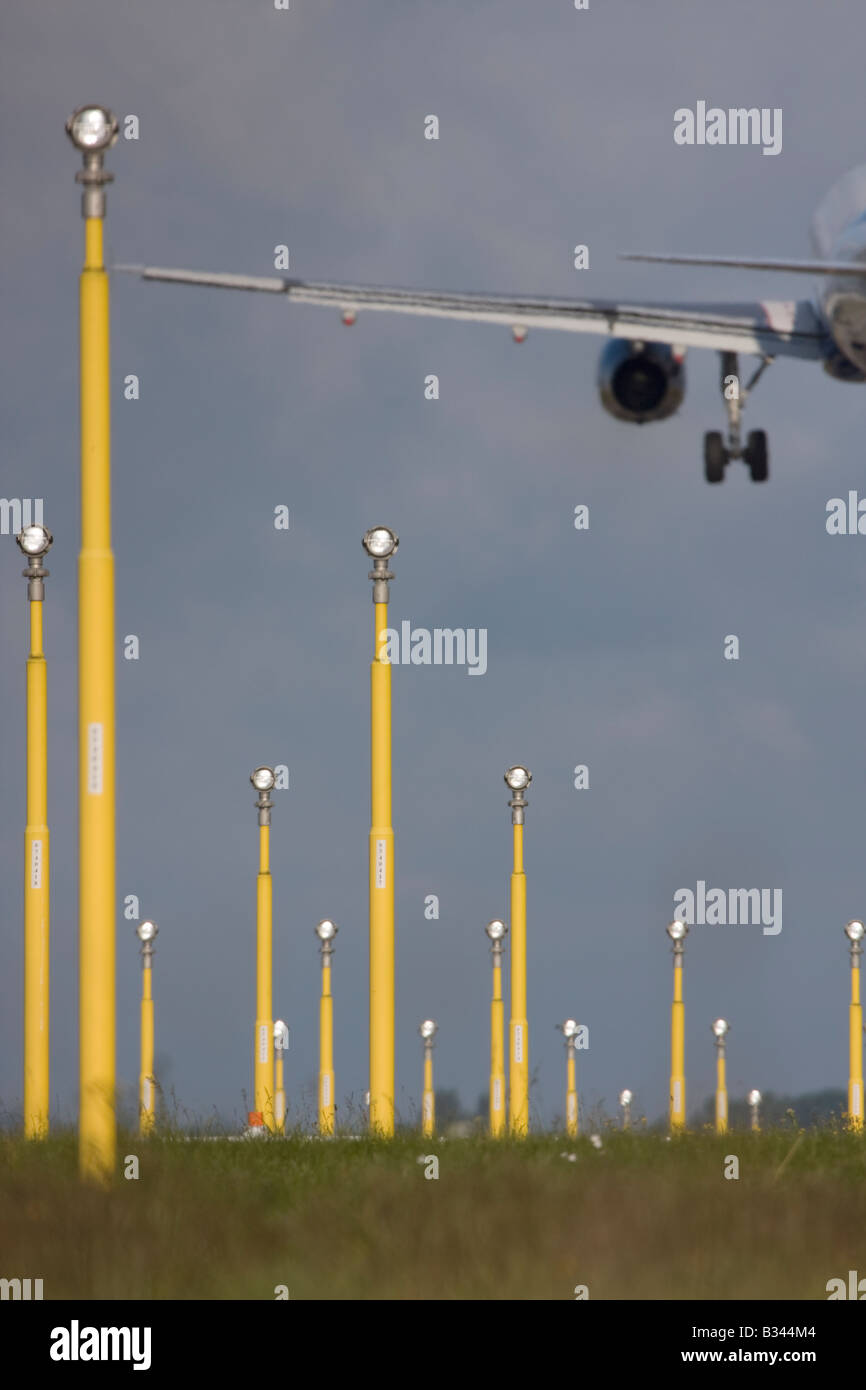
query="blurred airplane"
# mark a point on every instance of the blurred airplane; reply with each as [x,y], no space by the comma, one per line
[641,374]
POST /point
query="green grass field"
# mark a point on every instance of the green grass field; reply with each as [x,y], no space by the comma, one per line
[642,1217]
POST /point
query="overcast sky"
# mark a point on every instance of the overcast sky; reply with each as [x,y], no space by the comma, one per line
[605,647]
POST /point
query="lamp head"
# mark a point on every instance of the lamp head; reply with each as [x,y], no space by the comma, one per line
[754,1097]
[92,129]
[428,1029]
[326,930]
[720,1028]
[380,542]
[146,931]
[518,778]
[35,541]
[496,930]
[625,1097]
[263,779]
[677,930]
[281,1036]
[569,1028]
[854,931]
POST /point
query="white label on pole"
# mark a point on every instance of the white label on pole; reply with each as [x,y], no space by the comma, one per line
[497,1094]
[381,862]
[518,1042]
[263,1042]
[856,1100]
[677,1097]
[36,864]
[280,1107]
[145,1093]
[722,1107]
[572,1107]
[94,759]
[326,1088]
[428,1106]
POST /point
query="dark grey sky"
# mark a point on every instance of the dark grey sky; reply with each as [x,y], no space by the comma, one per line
[261,127]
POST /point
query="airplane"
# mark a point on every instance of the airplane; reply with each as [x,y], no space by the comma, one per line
[641,373]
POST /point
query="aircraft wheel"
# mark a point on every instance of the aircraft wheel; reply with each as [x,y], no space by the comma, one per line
[715,457]
[755,454]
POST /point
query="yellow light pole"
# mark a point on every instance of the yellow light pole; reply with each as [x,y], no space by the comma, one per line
[93,130]
[263,1057]
[380,544]
[625,1100]
[517,779]
[854,932]
[720,1029]
[146,933]
[326,931]
[677,931]
[428,1030]
[496,932]
[569,1030]
[281,1045]
[755,1107]
[35,542]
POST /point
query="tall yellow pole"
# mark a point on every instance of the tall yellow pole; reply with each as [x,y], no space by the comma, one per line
[281,1044]
[677,932]
[264,1059]
[854,931]
[518,779]
[380,544]
[263,1038]
[146,932]
[571,1094]
[93,130]
[720,1029]
[496,931]
[428,1097]
[569,1030]
[279,1095]
[326,931]
[35,541]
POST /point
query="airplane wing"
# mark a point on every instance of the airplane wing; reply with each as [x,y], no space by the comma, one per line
[773,328]
[855,269]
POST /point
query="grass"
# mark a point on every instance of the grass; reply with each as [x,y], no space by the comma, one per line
[642,1217]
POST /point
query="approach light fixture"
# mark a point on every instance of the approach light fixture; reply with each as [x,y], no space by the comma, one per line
[35,541]
[92,129]
[380,542]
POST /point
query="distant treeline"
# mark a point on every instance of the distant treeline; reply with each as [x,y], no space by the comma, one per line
[811,1109]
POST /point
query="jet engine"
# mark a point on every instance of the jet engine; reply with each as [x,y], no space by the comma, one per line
[641,381]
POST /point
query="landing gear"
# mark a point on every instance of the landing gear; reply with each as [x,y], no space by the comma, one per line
[718,452]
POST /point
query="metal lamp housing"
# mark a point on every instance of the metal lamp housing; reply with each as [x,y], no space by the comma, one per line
[380,542]
[34,541]
[92,129]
